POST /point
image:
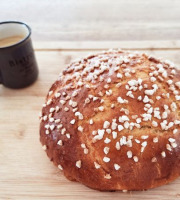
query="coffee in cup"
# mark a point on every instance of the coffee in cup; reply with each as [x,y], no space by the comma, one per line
[11,40]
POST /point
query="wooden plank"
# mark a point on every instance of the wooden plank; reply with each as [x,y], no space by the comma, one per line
[25,170]
[97,20]
[103,45]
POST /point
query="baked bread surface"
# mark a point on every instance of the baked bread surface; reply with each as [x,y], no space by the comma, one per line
[111,121]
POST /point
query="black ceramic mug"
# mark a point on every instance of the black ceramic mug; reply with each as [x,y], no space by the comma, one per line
[18,66]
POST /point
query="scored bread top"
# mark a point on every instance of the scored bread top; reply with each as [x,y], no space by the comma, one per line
[112,111]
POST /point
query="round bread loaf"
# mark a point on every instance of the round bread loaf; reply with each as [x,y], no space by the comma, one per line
[111,121]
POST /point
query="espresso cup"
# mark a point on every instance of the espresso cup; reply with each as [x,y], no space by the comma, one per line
[18,66]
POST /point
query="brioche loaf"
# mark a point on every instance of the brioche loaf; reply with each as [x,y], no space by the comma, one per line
[111,121]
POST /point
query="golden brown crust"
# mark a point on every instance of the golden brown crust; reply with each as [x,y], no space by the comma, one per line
[111,121]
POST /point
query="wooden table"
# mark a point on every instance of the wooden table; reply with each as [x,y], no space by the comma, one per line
[64,30]
[25,170]
[82,20]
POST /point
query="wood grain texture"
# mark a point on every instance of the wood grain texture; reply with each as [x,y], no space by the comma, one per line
[96,20]
[102,45]
[25,170]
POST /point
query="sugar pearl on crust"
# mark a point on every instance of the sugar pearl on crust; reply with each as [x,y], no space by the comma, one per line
[114,134]
[119,75]
[174,145]
[154,124]
[60,167]
[107,140]
[59,126]
[50,115]
[66,109]
[45,117]
[135,158]
[62,101]
[44,147]
[52,127]
[155,140]
[118,146]
[129,154]
[171,140]
[154,159]
[86,151]
[101,108]
[116,167]
[175,131]
[52,110]
[144,137]
[168,147]
[57,95]
[47,126]
[106,159]
[68,135]
[163,154]
[91,121]
[106,150]
[51,119]
[97,166]
[144,144]
[80,128]
[137,141]
[106,124]
[63,131]
[78,164]
[120,127]
[60,143]
[57,108]
[57,121]
[49,102]
[72,121]
[107,176]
